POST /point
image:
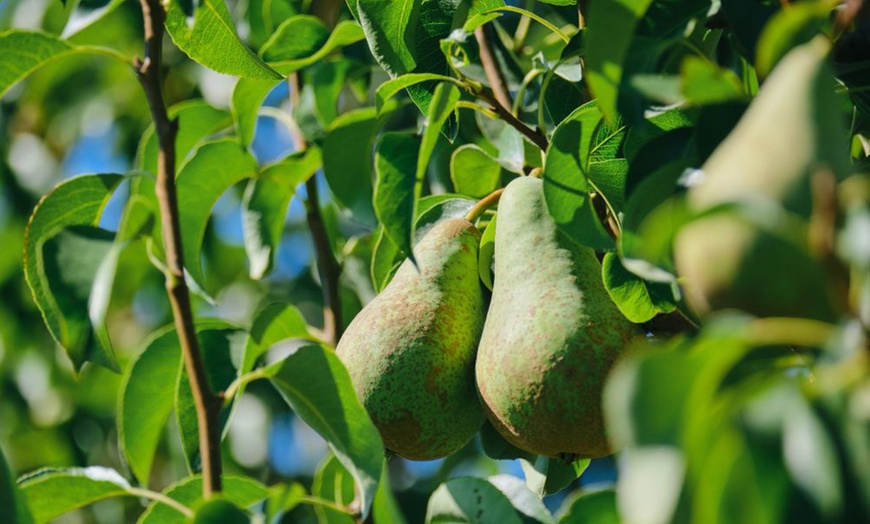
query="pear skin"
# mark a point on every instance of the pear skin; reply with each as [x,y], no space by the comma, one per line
[789,134]
[551,334]
[410,352]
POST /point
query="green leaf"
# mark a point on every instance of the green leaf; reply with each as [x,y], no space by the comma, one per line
[265,203]
[524,500]
[248,96]
[609,31]
[283,498]
[242,491]
[344,34]
[318,388]
[789,28]
[347,161]
[24,51]
[385,507]
[146,399]
[487,250]
[333,483]
[442,106]
[546,476]
[213,41]
[592,507]
[52,492]
[216,344]
[220,511]
[86,13]
[397,189]
[214,167]
[272,324]
[75,202]
[471,500]
[392,87]
[12,506]
[389,28]
[636,298]
[473,172]
[385,260]
[297,37]
[197,120]
[703,82]
[566,184]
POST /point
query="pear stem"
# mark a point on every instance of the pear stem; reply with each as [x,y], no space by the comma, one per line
[485,203]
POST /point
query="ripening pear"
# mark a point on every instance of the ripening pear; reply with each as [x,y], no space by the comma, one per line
[410,352]
[758,260]
[551,333]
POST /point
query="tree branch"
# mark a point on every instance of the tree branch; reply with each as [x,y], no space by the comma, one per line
[328,267]
[504,113]
[490,66]
[208,404]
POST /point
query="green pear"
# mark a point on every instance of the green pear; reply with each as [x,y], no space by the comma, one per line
[551,333]
[410,352]
[758,260]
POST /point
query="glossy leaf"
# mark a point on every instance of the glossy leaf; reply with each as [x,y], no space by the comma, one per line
[316,385]
[610,28]
[76,202]
[212,41]
[546,476]
[52,492]
[637,299]
[214,167]
[25,51]
[248,96]
[12,506]
[471,500]
[273,323]
[265,203]
[524,500]
[389,29]
[241,491]
[442,106]
[397,187]
[566,179]
[392,87]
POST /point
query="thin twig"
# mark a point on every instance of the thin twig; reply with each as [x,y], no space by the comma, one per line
[494,74]
[207,404]
[163,499]
[504,113]
[327,266]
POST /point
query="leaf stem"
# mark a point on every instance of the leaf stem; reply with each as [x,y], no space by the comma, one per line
[327,266]
[240,381]
[163,499]
[485,203]
[534,135]
[207,404]
[317,501]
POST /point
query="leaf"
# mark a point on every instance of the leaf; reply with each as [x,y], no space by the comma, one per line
[487,250]
[442,106]
[248,96]
[216,345]
[78,201]
[318,388]
[471,500]
[392,87]
[389,30]
[333,483]
[608,178]
[789,28]
[87,13]
[347,161]
[704,82]
[522,498]
[197,120]
[214,167]
[592,507]
[283,498]
[242,491]
[609,31]
[385,507]
[473,172]
[52,492]
[288,52]
[220,511]
[638,300]
[265,203]
[272,324]
[146,399]
[566,186]
[385,260]
[397,188]
[546,476]
[12,506]
[213,41]
[24,51]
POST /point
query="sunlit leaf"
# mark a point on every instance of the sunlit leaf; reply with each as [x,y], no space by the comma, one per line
[52,492]
[12,506]
[88,13]
[389,29]
[242,491]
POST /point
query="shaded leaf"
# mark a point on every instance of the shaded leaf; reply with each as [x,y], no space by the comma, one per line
[487,250]
[318,388]
[12,506]
[389,29]
[220,511]
[78,201]
[397,187]
[385,507]
[87,13]
[265,203]
[441,107]
[197,120]
[344,34]
[637,299]
[545,475]
[248,96]
[470,500]
[297,37]
[333,483]
[242,491]
[273,323]
[473,172]
[592,507]
[52,492]
[522,498]
[212,41]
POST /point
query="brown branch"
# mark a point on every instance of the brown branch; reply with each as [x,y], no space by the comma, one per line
[207,404]
[328,267]
[494,74]
[504,113]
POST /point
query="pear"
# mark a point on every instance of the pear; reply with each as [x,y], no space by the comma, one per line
[410,352]
[551,333]
[760,261]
